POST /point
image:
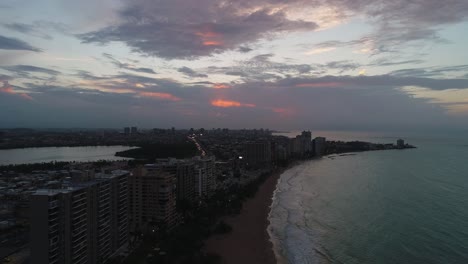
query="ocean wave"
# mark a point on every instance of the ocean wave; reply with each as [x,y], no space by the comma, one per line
[293,239]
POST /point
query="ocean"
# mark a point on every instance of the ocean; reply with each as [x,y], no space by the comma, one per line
[394,206]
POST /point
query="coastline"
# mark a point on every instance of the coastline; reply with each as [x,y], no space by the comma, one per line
[249,242]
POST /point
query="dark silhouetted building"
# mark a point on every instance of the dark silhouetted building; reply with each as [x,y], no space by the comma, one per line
[320,146]
[205,181]
[400,143]
[86,222]
[257,154]
[155,190]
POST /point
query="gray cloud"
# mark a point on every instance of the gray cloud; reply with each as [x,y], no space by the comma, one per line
[244,49]
[26,69]
[191,73]
[5,77]
[431,71]
[342,66]
[389,62]
[27,29]
[377,81]
[7,43]
[19,27]
[261,67]
[127,66]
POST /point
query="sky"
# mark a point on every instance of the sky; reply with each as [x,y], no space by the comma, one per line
[315,64]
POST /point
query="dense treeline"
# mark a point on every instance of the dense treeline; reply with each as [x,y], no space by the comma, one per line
[161,150]
[44,166]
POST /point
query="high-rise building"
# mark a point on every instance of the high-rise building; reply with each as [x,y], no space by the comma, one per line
[301,145]
[320,145]
[155,190]
[83,223]
[257,154]
[126,130]
[400,143]
[134,130]
[205,181]
[306,141]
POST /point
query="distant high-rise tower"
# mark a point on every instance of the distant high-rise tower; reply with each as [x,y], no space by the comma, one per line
[306,141]
[134,130]
[320,145]
[126,130]
[400,143]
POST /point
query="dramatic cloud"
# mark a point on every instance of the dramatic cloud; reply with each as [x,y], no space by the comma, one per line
[353,102]
[7,43]
[181,29]
[206,27]
[245,63]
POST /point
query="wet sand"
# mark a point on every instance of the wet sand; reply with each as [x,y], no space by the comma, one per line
[249,242]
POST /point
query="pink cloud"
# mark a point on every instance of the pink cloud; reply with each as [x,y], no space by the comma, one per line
[6,88]
[209,37]
[163,96]
[221,86]
[283,111]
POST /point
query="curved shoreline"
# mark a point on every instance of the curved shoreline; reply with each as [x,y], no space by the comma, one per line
[274,241]
[249,242]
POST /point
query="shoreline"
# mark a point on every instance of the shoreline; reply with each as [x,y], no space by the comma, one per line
[249,241]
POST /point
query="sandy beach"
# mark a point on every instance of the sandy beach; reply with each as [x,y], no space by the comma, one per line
[249,241]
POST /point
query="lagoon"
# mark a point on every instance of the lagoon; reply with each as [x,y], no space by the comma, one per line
[49,154]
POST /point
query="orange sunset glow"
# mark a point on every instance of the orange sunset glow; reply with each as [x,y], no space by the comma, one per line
[163,96]
[229,103]
[210,37]
[221,86]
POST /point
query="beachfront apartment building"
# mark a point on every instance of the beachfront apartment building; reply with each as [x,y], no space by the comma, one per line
[205,178]
[154,191]
[320,146]
[257,154]
[84,222]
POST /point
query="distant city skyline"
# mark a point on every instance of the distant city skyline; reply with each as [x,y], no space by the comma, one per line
[284,65]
